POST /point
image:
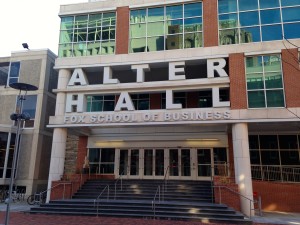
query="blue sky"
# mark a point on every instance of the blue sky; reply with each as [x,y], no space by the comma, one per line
[33,21]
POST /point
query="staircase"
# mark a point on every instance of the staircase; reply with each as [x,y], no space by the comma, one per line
[181,200]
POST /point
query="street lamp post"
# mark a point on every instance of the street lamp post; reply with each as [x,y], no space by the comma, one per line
[18,117]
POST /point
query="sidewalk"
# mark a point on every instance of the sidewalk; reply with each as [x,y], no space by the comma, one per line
[17,217]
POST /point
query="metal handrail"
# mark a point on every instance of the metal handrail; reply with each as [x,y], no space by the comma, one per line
[121,181]
[65,183]
[158,191]
[154,202]
[96,200]
[165,183]
[237,193]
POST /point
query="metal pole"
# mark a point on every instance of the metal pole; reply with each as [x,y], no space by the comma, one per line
[16,149]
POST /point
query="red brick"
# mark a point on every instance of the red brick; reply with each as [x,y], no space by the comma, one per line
[210,23]
[291,77]
[122,30]
[238,91]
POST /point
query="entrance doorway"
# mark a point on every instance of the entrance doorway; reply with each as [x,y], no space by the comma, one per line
[173,163]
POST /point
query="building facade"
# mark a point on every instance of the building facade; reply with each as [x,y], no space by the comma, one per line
[184,89]
[33,67]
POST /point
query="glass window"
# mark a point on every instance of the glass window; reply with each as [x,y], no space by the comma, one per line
[205,99]
[4,67]
[100,103]
[253,142]
[141,101]
[268,3]
[270,157]
[228,20]
[270,16]
[251,27]
[227,6]
[249,18]
[291,14]
[174,12]
[270,33]
[162,28]
[290,2]
[268,141]
[29,105]
[82,35]
[288,142]
[247,5]
[250,34]
[14,71]
[192,10]
[155,14]
[291,30]
[255,157]
[264,81]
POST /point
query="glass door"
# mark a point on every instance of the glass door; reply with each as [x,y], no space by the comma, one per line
[204,162]
[102,160]
[134,156]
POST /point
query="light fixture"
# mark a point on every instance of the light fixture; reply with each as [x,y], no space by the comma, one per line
[202,139]
[25,45]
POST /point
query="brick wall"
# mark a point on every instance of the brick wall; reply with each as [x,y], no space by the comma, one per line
[81,153]
[122,30]
[210,23]
[238,91]
[224,195]
[291,77]
[155,101]
[278,196]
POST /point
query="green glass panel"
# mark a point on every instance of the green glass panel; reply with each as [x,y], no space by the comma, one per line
[174,12]
[155,14]
[192,25]
[275,98]
[65,50]
[137,30]
[94,34]
[97,106]
[192,10]
[228,20]
[273,80]
[138,45]
[174,42]
[228,37]
[109,19]
[256,99]
[272,63]
[254,64]
[81,22]
[193,40]
[93,48]
[66,36]
[108,47]
[138,16]
[155,43]
[88,106]
[174,26]
[79,49]
[155,29]
[80,35]
[67,23]
[95,20]
[108,33]
[255,81]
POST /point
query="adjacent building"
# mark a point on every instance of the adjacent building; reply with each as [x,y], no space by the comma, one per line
[183,89]
[33,67]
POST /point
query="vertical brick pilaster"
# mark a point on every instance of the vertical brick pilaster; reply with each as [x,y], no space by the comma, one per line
[122,30]
[155,101]
[82,152]
[238,91]
[192,99]
[291,77]
[210,23]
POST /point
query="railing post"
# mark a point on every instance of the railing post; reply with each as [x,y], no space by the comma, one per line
[259,205]
[220,195]
[64,191]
